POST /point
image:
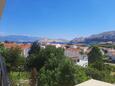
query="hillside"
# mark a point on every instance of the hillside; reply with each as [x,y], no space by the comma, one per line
[102,37]
[22,38]
[18,38]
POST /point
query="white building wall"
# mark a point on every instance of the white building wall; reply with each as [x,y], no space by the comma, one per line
[83,59]
[26,52]
[111,56]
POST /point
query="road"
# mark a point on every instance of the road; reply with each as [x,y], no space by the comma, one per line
[4,76]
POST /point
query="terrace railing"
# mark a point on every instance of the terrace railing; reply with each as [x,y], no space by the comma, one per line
[4,80]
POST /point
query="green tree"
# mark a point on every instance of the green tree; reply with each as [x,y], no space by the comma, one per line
[54,69]
[97,69]
[103,75]
[95,55]
[80,74]
[35,48]
[67,73]
[13,58]
[3,50]
[34,62]
[39,59]
[21,63]
[58,70]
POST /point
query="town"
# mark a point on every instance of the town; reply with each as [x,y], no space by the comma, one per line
[57,43]
[77,53]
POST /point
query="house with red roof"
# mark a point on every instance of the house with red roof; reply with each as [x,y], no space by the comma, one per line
[24,47]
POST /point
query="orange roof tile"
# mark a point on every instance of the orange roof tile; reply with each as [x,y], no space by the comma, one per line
[10,45]
[22,46]
[73,49]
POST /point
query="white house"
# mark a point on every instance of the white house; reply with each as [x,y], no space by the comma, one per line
[26,52]
[24,47]
[76,56]
[111,54]
[83,61]
[55,44]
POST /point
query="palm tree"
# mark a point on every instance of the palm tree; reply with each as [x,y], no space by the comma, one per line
[2,4]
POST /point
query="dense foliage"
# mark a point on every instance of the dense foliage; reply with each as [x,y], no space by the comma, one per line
[50,67]
[54,69]
[95,55]
[97,69]
[13,58]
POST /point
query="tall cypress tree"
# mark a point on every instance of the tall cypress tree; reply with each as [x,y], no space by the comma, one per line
[35,48]
[95,55]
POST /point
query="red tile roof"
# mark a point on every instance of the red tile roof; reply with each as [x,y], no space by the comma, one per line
[22,46]
[10,45]
[73,49]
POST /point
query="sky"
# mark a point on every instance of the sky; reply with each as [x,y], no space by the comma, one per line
[57,18]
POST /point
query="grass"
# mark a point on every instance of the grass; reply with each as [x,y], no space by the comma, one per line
[113,73]
[19,78]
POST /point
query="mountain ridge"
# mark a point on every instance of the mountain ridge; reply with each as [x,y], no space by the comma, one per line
[101,37]
[24,38]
